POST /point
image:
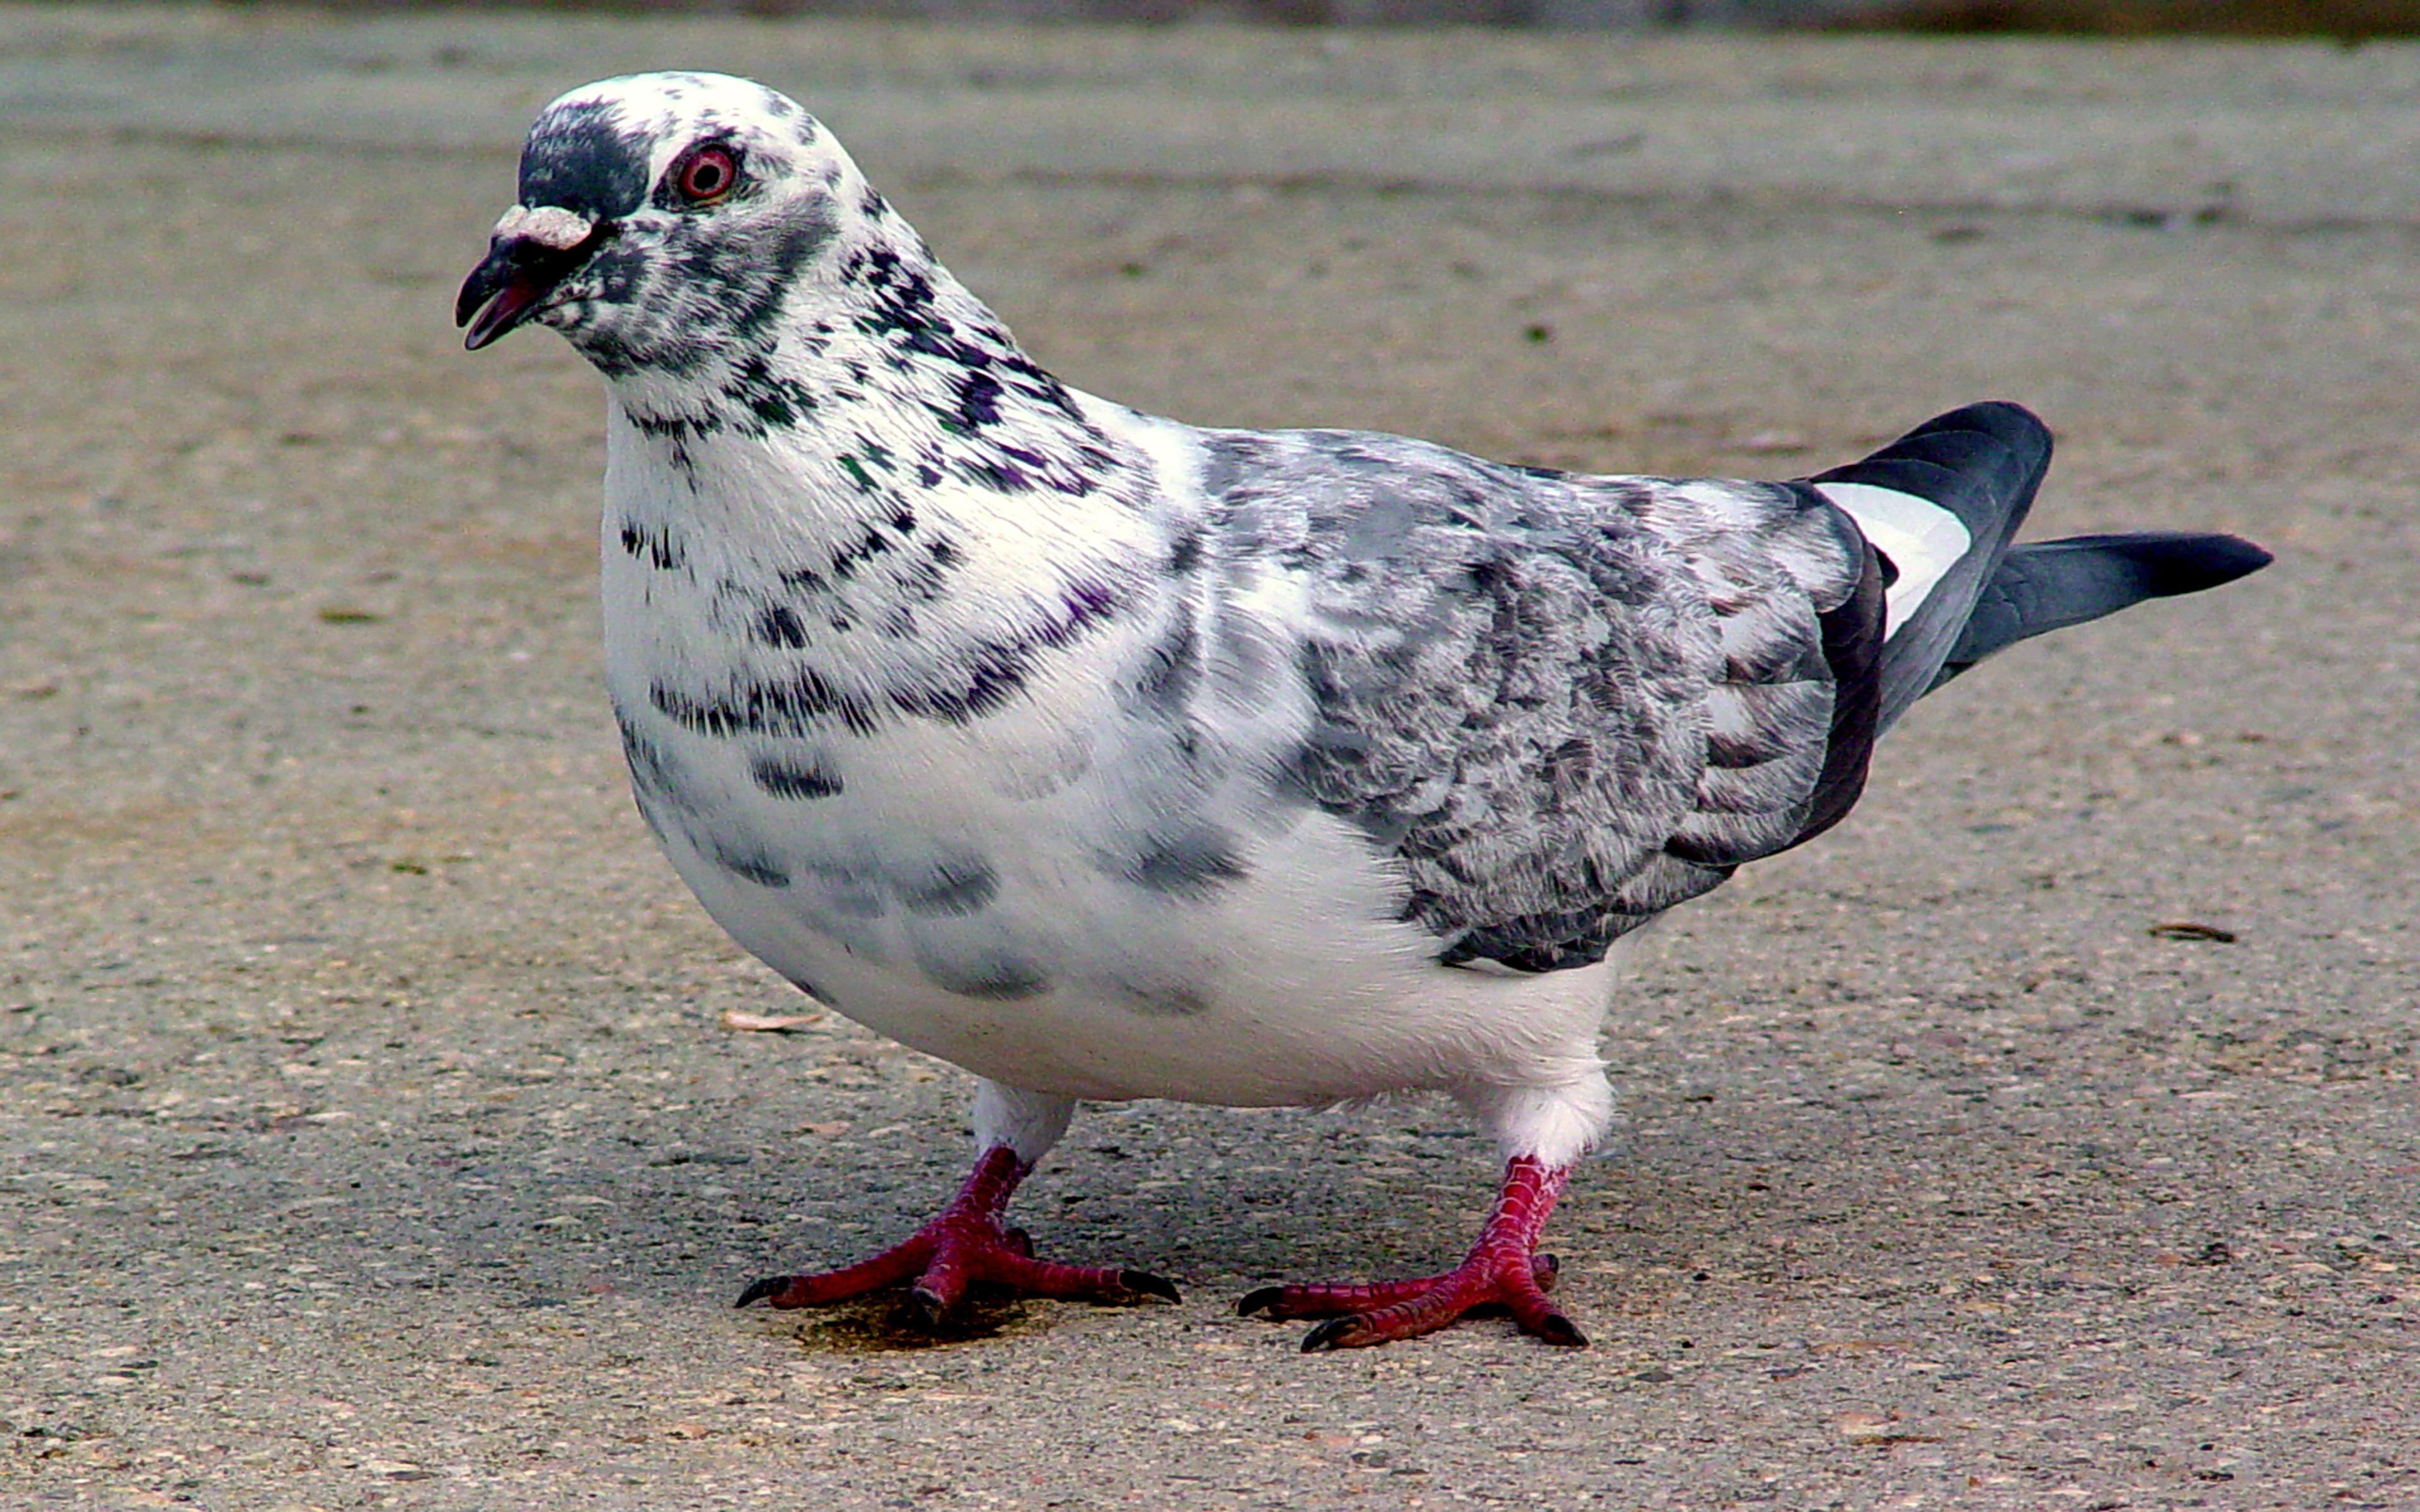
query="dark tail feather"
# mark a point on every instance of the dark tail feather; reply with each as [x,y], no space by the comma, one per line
[1944,588]
[2049,586]
[1982,465]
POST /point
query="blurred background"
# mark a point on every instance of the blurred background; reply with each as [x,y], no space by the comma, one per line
[2351,19]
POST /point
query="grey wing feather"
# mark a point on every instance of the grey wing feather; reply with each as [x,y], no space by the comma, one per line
[1565,703]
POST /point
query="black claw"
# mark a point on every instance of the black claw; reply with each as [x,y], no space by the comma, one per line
[1547,1269]
[759,1290]
[930,1304]
[1557,1329]
[1268,1297]
[1019,1241]
[1149,1285]
[1330,1335]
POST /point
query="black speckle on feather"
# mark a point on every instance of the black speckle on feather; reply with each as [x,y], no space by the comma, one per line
[1514,697]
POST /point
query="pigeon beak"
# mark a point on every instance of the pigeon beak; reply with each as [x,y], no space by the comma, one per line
[529,253]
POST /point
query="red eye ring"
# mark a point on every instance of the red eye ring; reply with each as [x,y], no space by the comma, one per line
[707,174]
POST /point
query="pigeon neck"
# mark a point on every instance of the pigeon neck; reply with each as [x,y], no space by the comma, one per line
[884,407]
[882,374]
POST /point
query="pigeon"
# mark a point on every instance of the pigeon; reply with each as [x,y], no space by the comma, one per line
[1112,758]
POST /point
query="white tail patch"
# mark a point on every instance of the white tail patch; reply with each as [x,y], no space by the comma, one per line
[1922,540]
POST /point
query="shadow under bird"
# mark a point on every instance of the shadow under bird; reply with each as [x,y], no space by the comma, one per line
[1109,757]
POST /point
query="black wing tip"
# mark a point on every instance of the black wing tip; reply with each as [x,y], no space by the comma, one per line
[2217,559]
[1996,438]
[2213,561]
[2005,421]
[1992,415]
[2168,562]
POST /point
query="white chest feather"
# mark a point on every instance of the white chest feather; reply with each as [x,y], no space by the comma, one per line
[939,800]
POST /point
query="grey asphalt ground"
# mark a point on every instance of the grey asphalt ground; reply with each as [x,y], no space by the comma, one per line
[369,1133]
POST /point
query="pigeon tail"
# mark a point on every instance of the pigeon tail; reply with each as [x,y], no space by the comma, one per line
[1939,506]
[2050,585]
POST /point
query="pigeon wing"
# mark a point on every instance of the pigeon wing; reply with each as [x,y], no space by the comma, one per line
[1562,704]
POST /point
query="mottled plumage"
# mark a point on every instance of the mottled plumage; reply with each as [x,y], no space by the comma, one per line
[1563,704]
[1110,758]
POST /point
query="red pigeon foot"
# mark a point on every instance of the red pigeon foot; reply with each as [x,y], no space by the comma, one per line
[1502,1271]
[965,1244]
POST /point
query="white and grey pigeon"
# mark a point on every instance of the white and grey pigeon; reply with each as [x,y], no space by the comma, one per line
[1109,757]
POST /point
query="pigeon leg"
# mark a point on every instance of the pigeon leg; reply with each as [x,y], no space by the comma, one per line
[965,1244]
[1503,1270]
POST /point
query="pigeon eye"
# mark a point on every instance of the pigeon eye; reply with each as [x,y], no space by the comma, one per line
[706,174]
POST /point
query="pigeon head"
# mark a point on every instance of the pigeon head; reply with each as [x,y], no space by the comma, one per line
[664,219]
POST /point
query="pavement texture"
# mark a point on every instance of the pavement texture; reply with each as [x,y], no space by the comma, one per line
[370,1133]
